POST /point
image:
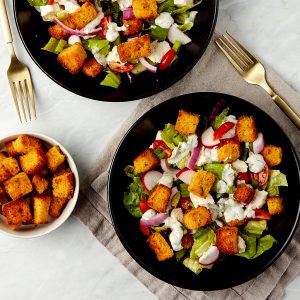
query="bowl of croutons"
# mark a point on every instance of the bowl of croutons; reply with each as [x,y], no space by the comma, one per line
[39,185]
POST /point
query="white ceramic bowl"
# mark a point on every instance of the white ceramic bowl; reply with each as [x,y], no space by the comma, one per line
[30,231]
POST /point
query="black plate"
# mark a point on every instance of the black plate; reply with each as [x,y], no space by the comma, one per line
[232,270]
[34,34]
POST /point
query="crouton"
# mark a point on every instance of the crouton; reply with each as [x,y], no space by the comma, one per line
[8,168]
[41,206]
[25,143]
[187,122]
[272,155]
[33,162]
[72,58]
[17,212]
[146,161]
[56,206]
[196,218]
[3,197]
[275,205]
[245,129]
[10,149]
[234,223]
[18,186]
[2,156]
[229,152]
[144,9]
[91,67]
[57,32]
[201,183]
[135,48]
[63,184]
[54,158]
[244,193]
[160,246]
[227,239]
[159,198]
[132,26]
[40,184]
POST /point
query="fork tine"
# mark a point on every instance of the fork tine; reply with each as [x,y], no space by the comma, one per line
[242,48]
[13,91]
[31,95]
[20,96]
[230,55]
[24,89]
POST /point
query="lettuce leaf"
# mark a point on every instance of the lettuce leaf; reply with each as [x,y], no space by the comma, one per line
[220,118]
[159,33]
[171,137]
[111,80]
[166,6]
[250,246]
[276,180]
[193,265]
[186,27]
[185,8]
[102,46]
[215,168]
[54,46]
[202,243]
[264,243]
[37,2]
[255,227]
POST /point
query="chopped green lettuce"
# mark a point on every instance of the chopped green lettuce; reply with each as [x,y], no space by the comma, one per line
[183,162]
[54,46]
[171,137]
[186,27]
[102,46]
[276,180]
[193,265]
[180,254]
[38,2]
[250,246]
[202,243]
[112,80]
[129,171]
[184,190]
[220,118]
[158,33]
[255,227]
[215,168]
[264,243]
[185,8]
[180,18]
[166,6]
[176,46]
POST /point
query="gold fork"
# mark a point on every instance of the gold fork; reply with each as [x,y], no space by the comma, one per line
[18,74]
[252,71]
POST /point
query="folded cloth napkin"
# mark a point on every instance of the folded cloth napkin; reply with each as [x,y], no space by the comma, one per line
[212,73]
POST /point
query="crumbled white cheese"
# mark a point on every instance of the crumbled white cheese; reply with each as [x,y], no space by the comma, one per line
[255,162]
[158,50]
[164,20]
[240,166]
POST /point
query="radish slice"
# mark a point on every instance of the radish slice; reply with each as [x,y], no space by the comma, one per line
[166,167]
[175,34]
[210,256]
[147,65]
[259,143]
[186,175]
[207,138]
[194,157]
[73,39]
[155,221]
[150,179]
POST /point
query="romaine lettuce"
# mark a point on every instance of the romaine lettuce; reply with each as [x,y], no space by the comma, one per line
[220,118]
[112,80]
[250,246]
[185,8]
[159,33]
[102,46]
[255,227]
[263,244]
[54,46]
[202,243]
[38,2]
[171,137]
[276,180]
[215,168]
[166,6]
[193,265]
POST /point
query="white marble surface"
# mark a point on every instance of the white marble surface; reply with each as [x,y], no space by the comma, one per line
[70,263]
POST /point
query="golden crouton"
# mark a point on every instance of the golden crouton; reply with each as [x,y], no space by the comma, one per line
[63,184]
[25,143]
[17,212]
[146,161]
[56,206]
[229,152]
[10,149]
[227,239]
[18,186]
[135,48]
[91,67]
[159,198]
[33,162]
[272,155]
[275,205]
[132,26]
[3,197]
[235,222]
[144,9]
[2,156]
[8,168]
[57,32]
[196,218]
[54,158]
[246,129]
[40,184]
[187,122]
[41,206]
[202,183]
[160,246]
[72,58]
[244,193]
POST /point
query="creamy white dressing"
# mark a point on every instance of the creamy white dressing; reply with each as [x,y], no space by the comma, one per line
[113,31]
[123,3]
[221,187]
[158,135]
[94,23]
[177,214]
[241,245]
[113,55]
[240,166]
[181,3]
[183,149]
[255,162]
[164,20]
[167,180]
[259,200]
[232,210]
[158,50]
[228,175]
[101,59]
[176,232]
[207,156]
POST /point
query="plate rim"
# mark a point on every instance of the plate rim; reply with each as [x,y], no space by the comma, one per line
[123,241]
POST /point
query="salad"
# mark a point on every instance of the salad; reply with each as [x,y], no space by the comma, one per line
[207,187]
[105,38]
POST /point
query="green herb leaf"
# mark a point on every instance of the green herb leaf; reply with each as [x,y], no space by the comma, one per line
[185,8]
[159,33]
[220,118]
[159,153]
[166,6]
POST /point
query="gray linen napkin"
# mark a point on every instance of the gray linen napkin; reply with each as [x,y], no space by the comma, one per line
[212,73]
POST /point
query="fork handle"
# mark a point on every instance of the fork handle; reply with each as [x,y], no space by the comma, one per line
[5,22]
[283,105]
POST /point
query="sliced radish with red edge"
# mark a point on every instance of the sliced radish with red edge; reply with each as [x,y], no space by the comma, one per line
[186,175]
[207,138]
[150,179]
[210,256]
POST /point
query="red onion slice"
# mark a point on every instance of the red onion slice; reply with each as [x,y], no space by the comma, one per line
[128,13]
[147,65]
[216,110]
[193,159]
[155,221]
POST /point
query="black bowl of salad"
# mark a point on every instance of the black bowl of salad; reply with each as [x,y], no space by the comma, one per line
[116,50]
[205,185]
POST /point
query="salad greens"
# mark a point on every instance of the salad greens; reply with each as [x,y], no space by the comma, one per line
[38,2]
[220,118]
[171,137]
[54,46]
